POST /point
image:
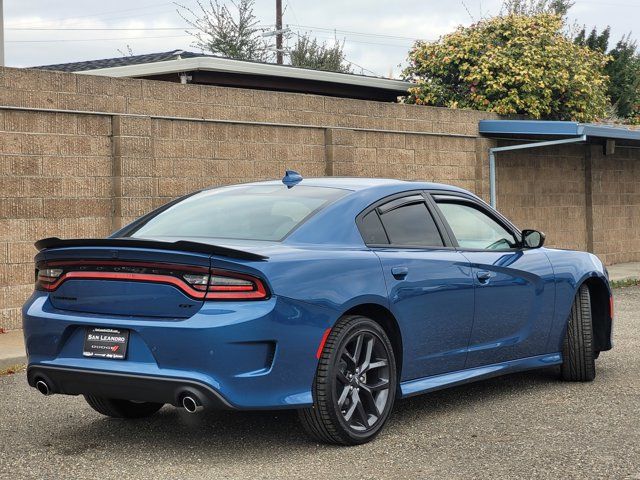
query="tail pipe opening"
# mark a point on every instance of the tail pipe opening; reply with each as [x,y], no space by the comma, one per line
[191,404]
[43,387]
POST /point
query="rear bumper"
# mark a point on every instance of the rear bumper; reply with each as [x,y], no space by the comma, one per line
[127,386]
[242,355]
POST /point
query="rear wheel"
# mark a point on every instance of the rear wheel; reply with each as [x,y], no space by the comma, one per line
[355,384]
[578,356]
[112,407]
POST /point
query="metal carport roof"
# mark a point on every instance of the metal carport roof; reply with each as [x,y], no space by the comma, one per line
[551,130]
[545,133]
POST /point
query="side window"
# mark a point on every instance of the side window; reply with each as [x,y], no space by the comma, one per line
[372,230]
[474,228]
[411,224]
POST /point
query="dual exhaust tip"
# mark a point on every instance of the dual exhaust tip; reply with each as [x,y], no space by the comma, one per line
[190,403]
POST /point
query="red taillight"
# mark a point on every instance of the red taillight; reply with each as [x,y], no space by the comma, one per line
[46,278]
[226,285]
[232,285]
[197,282]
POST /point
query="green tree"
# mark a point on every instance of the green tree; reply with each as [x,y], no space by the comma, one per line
[229,32]
[512,64]
[623,70]
[308,53]
[624,74]
[595,41]
[535,7]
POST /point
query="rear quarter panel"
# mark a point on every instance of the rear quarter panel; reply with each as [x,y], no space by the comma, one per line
[334,278]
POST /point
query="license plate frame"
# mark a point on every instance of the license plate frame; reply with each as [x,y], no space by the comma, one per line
[105,342]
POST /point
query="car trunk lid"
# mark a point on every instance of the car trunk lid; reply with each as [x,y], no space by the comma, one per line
[128,277]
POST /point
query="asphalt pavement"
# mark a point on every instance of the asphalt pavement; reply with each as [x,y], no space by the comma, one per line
[528,425]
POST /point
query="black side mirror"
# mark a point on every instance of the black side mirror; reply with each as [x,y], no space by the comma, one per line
[532,239]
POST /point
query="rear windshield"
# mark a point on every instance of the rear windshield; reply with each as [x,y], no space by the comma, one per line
[264,212]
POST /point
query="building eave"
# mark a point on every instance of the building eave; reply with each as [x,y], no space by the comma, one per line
[211,64]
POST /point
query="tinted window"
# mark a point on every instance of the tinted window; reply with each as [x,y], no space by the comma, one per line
[475,229]
[259,212]
[411,225]
[371,229]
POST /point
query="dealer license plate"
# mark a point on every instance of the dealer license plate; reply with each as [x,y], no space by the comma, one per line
[101,342]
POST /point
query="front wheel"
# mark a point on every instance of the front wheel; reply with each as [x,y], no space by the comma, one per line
[578,355]
[112,407]
[355,384]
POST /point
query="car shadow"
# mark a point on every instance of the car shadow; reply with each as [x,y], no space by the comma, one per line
[234,435]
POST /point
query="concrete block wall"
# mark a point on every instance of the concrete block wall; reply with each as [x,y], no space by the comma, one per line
[582,198]
[55,180]
[544,189]
[81,156]
[615,181]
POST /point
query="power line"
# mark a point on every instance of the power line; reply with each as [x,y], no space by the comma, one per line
[94,39]
[90,29]
[99,14]
[364,42]
[352,32]
[133,29]
[290,5]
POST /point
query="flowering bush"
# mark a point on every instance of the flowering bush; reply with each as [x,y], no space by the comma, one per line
[512,64]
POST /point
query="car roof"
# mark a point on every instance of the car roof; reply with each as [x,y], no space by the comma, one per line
[359,183]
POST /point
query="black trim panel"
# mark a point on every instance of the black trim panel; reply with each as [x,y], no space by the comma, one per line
[143,388]
[400,202]
[182,245]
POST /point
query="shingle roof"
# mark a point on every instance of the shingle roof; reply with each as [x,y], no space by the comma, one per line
[120,61]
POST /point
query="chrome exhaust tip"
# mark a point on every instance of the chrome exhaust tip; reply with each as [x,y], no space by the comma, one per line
[190,404]
[43,388]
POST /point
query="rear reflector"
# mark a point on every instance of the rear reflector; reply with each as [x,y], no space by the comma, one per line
[323,340]
[611,307]
[197,282]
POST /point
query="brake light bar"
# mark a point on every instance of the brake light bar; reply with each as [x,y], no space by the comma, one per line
[197,282]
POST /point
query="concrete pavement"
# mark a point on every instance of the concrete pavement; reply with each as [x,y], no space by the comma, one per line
[624,271]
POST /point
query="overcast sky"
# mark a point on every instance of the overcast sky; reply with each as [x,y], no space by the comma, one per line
[377,33]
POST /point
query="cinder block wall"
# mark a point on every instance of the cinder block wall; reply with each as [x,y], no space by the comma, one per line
[615,181]
[544,189]
[81,156]
[55,180]
[582,198]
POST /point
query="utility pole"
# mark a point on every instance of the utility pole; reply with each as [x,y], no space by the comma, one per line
[1,33]
[279,50]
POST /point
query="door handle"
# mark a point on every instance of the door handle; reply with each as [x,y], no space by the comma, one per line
[399,273]
[483,276]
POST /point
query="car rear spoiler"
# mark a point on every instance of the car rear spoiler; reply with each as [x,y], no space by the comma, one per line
[182,245]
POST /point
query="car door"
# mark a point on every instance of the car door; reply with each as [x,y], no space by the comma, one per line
[514,286]
[429,283]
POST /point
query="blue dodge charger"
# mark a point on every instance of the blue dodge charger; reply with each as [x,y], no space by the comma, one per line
[332,296]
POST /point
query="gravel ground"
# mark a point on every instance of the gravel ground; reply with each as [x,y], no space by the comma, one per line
[527,425]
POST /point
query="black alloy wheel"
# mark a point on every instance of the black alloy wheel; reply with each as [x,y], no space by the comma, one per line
[355,384]
[363,380]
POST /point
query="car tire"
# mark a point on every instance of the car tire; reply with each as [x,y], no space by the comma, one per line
[355,384]
[115,408]
[578,355]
